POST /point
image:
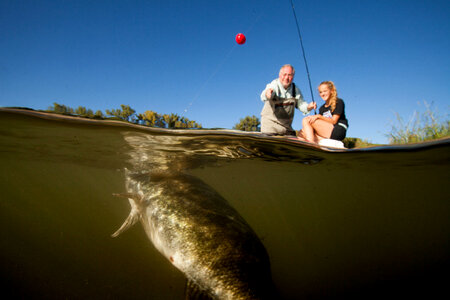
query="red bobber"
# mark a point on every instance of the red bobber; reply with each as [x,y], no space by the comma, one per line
[240,38]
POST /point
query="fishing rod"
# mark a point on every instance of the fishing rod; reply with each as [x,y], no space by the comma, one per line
[303,51]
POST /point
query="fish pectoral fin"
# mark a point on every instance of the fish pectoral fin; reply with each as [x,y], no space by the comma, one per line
[194,292]
[134,215]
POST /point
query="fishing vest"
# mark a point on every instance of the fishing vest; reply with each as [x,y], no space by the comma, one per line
[278,113]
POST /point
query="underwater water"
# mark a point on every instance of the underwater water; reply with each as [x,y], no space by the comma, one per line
[358,223]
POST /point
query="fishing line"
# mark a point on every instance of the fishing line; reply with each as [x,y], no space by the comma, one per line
[210,77]
[303,51]
[219,66]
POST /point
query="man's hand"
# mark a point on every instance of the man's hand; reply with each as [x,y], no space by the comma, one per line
[312,105]
[269,92]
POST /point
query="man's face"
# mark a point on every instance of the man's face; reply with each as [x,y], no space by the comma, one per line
[286,76]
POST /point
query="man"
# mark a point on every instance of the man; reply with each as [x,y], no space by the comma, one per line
[280,98]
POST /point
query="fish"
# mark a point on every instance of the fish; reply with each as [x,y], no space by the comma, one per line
[198,231]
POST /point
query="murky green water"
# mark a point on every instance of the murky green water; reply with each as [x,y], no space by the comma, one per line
[335,223]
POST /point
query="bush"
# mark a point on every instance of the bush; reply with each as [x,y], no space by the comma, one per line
[420,127]
[248,124]
[351,142]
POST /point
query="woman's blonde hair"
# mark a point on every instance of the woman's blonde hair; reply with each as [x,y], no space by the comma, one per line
[333,95]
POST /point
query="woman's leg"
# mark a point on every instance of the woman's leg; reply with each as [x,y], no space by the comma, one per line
[300,135]
[322,129]
[307,130]
[317,138]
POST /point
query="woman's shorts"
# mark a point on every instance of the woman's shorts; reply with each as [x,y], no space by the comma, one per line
[339,132]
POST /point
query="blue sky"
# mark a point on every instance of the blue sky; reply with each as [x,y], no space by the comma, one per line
[180,57]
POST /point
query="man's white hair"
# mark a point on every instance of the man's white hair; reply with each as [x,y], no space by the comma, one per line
[288,65]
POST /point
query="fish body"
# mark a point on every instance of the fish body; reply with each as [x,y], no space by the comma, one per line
[200,234]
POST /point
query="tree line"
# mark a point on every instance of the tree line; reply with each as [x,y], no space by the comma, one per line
[127,114]
[148,118]
[423,127]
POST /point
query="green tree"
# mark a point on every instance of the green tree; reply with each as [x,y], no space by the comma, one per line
[185,123]
[128,113]
[60,109]
[114,113]
[180,124]
[170,120]
[125,113]
[193,124]
[81,111]
[248,124]
[151,118]
[98,114]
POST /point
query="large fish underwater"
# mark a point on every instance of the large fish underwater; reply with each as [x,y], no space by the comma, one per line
[200,234]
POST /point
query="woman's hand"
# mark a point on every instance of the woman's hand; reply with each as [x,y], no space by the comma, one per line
[312,119]
[315,117]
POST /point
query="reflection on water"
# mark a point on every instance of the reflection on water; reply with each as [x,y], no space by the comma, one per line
[354,223]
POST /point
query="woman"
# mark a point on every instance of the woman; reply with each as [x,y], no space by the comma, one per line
[331,122]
